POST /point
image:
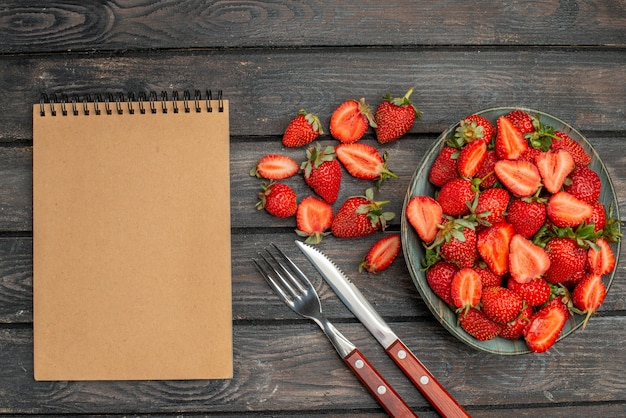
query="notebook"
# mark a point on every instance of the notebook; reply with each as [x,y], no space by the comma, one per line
[131,238]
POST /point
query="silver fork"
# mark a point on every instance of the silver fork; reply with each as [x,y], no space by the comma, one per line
[296,290]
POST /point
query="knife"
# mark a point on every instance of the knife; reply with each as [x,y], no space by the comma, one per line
[423,380]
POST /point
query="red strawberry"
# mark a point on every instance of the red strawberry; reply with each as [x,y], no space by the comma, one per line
[474,127]
[598,217]
[601,258]
[313,218]
[493,246]
[275,167]
[424,214]
[510,143]
[394,117]
[363,161]
[546,325]
[476,324]
[515,329]
[439,278]
[455,196]
[444,167]
[359,216]
[520,177]
[322,172]
[564,141]
[466,289]
[486,171]
[566,259]
[350,120]
[554,167]
[535,292]
[277,199]
[500,304]
[492,204]
[588,295]
[584,183]
[471,158]
[303,129]
[526,260]
[522,121]
[487,277]
[381,254]
[564,210]
[527,215]
[459,246]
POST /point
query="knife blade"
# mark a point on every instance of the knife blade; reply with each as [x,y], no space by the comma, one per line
[412,367]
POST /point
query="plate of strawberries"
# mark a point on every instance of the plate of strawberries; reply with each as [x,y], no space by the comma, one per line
[510,230]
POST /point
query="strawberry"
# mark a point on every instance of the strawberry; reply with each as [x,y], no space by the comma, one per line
[526,260]
[492,204]
[487,277]
[530,155]
[515,329]
[476,324]
[303,129]
[536,292]
[584,183]
[459,246]
[564,209]
[313,218]
[364,162]
[554,167]
[500,304]
[277,199]
[522,121]
[601,258]
[520,177]
[466,289]
[588,295]
[527,215]
[350,120]
[566,259]
[598,217]
[563,141]
[546,325]
[439,277]
[381,254]
[322,172]
[510,143]
[444,167]
[455,197]
[471,157]
[394,117]
[474,127]
[486,172]
[425,214]
[493,246]
[275,167]
[359,216]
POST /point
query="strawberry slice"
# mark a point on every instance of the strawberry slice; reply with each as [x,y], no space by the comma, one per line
[554,168]
[601,259]
[275,167]
[564,210]
[381,254]
[466,289]
[424,214]
[350,120]
[520,177]
[546,325]
[493,246]
[510,143]
[363,161]
[471,157]
[526,260]
[314,217]
[588,295]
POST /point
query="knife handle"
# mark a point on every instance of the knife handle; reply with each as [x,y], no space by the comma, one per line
[386,395]
[424,381]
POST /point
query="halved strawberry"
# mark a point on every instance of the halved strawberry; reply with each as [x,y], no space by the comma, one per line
[424,214]
[363,161]
[314,217]
[526,260]
[601,259]
[564,210]
[471,158]
[466,289]
[510,143]
[275,167]
[500,304]
[493,246]
[554,168]
[588,295]
[476,324]
[520,177]
[546,325]
[381,254]
[350,120]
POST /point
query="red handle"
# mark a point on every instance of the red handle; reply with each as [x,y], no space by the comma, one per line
[386,396]
[432,390]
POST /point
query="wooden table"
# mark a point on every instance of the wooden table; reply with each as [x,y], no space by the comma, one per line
[566,58]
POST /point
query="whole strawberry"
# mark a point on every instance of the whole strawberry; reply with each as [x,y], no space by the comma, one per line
[455,196]
[566,259]
[500,304]
[444,168]
[535,292]
[458,243]
[303,129]
[359,216]
[563,141]
[439,278]
[476,324]
[527,215]
[394,117]
[522,120]
[584,183]
[515,329]
[474,127]
[322,172]
[277,199]
[492,204]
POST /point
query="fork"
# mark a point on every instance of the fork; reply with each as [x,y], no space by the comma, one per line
[296,290]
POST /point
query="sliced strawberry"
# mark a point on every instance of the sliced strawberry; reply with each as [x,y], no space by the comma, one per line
[471,158]
[313,218]
[466,289]
[363,161]
[275,167]
[500,304]
[554,168]
[381,254]
[424,213]
[350,120]
[476,324]
[526,260]
[564,210]
[546,325]
[493,246]
[588,295]
[601,259]
[510,143]
[520,177]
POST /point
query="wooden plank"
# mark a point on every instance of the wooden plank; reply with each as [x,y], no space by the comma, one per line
[92,25]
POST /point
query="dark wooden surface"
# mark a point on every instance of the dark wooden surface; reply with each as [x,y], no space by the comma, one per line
[567,58]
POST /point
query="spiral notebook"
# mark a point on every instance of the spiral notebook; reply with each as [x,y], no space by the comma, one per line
[131,237]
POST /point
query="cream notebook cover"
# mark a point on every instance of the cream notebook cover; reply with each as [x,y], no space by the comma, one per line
[131,231]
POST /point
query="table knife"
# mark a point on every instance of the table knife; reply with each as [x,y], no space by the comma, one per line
[352,297]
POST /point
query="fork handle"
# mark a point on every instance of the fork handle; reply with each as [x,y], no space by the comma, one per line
[386,395]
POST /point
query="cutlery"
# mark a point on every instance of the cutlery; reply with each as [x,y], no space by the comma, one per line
[296,290]
[425,382]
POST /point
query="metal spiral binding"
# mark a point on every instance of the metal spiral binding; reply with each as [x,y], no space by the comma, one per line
[115,103]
